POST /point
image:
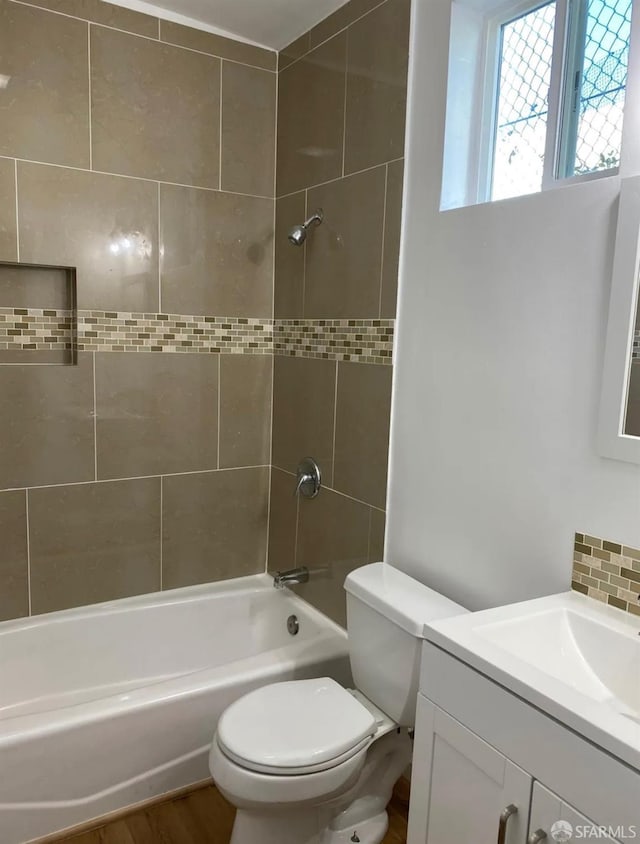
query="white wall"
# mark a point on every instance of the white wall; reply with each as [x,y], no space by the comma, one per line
[499,353]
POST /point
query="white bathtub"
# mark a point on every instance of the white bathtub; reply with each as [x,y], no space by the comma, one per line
[108,706]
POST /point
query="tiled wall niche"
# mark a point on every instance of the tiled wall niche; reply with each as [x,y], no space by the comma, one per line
[38,314]
[185,339]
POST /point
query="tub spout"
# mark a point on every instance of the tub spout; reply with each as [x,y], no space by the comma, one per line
[291,577]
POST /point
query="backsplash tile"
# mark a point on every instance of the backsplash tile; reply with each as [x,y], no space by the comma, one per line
[607,571]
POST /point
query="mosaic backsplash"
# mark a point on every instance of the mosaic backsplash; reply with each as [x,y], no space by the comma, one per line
[44,330]
[607,571]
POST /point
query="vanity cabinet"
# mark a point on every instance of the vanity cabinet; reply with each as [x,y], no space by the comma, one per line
[475,795]
[488,768]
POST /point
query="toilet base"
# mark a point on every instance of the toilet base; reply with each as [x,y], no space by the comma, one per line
[357,815]
[308,826]
[371,831]
[304,826]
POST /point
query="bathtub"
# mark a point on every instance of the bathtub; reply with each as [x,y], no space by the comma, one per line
[106,707]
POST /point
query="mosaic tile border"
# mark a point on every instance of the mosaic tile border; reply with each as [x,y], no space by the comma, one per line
[109,331]
[34,329]
[364,340]
[607,571]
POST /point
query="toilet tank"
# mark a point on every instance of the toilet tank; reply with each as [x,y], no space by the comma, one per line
[386,614]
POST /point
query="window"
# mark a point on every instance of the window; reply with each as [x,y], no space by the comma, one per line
[546,83]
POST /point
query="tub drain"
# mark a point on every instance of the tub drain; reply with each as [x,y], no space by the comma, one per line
[293,625]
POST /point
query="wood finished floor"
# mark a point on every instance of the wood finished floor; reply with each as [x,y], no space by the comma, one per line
[203,817]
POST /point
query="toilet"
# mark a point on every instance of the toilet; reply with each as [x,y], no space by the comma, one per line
[310,762]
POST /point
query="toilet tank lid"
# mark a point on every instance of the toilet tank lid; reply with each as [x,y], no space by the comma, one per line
[402,599]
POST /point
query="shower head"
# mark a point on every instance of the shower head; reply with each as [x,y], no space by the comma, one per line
[298,234]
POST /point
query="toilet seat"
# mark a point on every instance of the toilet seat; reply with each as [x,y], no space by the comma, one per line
[296,727]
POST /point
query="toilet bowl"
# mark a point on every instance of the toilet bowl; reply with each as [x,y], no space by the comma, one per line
[310,762]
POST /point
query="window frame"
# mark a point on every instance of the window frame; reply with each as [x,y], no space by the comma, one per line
[565,45]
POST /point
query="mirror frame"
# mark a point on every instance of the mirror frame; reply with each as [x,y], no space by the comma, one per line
[612,440]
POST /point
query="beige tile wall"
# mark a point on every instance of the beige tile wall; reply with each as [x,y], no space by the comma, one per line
[341,121]
[143,153]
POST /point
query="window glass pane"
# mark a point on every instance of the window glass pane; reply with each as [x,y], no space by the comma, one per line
[599,86]
[523,97]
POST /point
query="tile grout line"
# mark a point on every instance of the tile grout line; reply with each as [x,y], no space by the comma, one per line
[158,40]
[200,187]
[135,478]
[344,109]
[335,179]
[26,509]
[275,201]
[332,489]
[133,178]
[353,498]
[161,526]
[219,414]
[384,232]
[304,258]
[266,550]
[90,98]
[329,37]
[15,171]
[159,255]
[369,535]
[220,96]
[295,539]
[335,419]
[95,420]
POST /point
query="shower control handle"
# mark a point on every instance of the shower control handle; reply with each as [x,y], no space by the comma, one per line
[308,478]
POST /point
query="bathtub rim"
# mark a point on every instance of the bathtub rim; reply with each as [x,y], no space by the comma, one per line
[247,584]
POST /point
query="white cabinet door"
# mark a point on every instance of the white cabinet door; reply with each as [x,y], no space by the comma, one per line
[460,786]
[560,823]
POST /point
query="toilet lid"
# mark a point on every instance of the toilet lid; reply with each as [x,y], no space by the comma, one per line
[302,724]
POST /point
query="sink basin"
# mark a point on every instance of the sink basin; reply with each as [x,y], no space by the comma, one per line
[589,656]
[572,657]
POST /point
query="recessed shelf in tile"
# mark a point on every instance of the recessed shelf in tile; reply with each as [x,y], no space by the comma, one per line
[38,314]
